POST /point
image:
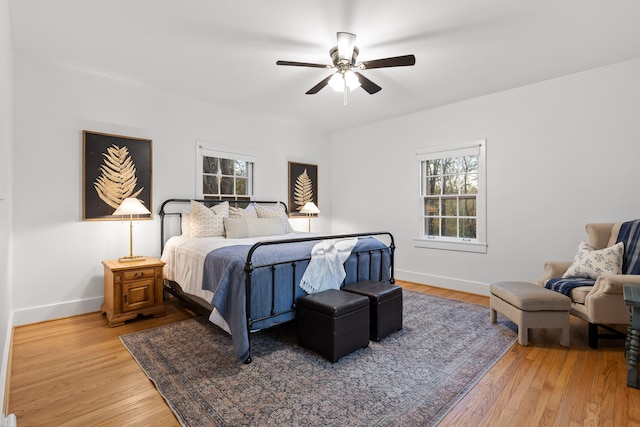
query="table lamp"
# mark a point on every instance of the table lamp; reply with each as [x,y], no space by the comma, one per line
[131,206]
[309,209]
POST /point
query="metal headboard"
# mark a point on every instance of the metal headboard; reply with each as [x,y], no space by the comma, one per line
[175,207]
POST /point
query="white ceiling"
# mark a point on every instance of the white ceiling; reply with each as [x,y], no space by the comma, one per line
[225,52]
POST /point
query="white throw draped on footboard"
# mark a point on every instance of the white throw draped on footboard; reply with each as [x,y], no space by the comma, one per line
[326,270]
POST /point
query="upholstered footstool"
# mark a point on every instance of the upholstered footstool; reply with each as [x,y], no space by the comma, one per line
[385,306]
[333,323]
[530,306]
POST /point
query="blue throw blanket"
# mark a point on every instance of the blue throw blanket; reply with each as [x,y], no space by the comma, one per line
[224,275]
[565,286]
[629,235]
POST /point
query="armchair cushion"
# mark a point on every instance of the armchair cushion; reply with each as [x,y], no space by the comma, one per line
[590,263]
[579,294]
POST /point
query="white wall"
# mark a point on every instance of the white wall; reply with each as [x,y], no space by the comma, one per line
[560,154]
[6,197]
[57,270]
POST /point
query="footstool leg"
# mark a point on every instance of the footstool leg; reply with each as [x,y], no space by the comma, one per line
[564,338]
[492,315]
[523,335]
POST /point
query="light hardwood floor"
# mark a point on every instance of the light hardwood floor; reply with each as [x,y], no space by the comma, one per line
[75,372]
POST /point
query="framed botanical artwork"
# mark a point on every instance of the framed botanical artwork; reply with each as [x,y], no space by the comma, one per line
[303,186]
[114,167]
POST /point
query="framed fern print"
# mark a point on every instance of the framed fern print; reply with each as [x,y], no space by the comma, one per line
[114,167]
[303,186]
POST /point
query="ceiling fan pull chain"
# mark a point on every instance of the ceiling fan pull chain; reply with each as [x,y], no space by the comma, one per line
[344,82]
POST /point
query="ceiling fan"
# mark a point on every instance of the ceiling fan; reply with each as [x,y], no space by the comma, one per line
[346,74]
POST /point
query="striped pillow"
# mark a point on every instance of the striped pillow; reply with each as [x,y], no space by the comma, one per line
[278,211]
[248,212]
[240,228]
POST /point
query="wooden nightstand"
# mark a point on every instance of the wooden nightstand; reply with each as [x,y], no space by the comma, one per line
[132,288]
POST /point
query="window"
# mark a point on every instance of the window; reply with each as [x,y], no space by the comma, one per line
[452,197]
[223,175]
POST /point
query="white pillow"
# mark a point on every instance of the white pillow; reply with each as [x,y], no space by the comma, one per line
[207,222]
[278,211]
[248,212]
[240,228]
[591,263]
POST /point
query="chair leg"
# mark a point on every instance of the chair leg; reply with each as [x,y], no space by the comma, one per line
[593,335]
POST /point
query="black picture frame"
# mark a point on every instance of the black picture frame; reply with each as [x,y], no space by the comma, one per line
[295,171]
[95,147]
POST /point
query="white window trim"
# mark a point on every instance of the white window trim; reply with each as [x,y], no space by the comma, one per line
[479,244]
[224,151]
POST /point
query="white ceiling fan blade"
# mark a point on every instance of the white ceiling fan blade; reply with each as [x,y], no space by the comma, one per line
[346,44]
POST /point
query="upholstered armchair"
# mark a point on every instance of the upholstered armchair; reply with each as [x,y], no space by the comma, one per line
[601,305]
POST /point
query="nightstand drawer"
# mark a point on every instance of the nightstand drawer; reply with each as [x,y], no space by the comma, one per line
[146,273]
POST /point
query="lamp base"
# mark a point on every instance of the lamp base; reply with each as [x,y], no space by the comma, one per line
[131,258]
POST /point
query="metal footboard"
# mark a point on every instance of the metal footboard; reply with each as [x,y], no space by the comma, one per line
[250,267]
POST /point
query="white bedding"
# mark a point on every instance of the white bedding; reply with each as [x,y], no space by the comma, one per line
[184,262]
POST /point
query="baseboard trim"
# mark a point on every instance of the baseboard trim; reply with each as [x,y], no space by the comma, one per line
[4,375]
[10,421]
[43,313]
[33,315]
[443,282]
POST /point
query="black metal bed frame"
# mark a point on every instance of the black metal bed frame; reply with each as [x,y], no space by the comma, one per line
[249,267]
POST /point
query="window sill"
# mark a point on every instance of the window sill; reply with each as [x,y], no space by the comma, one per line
[474,247]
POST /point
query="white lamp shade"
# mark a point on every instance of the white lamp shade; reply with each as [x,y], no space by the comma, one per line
[310,208]
[131,206]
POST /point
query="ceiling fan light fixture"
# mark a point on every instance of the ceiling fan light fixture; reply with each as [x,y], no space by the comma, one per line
[336,82]
[339,79]
[352,80]
[346,44]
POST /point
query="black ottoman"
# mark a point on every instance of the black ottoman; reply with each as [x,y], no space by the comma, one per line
[386,306]
[333,323]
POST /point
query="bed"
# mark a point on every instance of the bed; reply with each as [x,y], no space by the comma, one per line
[247,275]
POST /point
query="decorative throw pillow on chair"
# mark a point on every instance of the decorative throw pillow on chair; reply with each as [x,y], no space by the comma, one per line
[591,263]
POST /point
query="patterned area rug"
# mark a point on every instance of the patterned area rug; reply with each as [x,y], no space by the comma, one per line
[412,377]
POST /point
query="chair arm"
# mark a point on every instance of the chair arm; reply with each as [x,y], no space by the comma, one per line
[612,283]
[554,269]
[604,303]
